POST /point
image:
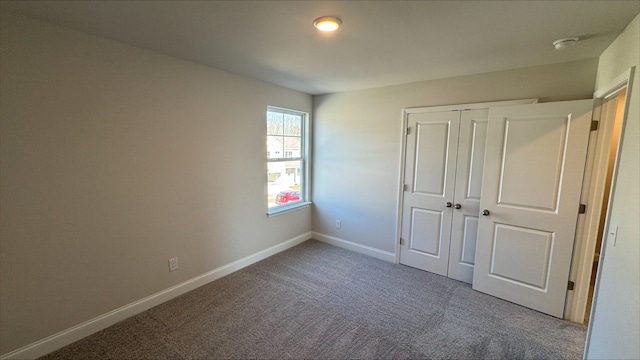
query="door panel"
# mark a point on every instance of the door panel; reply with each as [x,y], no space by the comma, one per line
[470,234]
[430,170]
[473,133]
[532,142]
[432,152]
[426,231]
[534,165]
[474,163]
[521,255]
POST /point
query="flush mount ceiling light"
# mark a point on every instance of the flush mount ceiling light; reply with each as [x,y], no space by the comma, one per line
[562,44]
[327,23]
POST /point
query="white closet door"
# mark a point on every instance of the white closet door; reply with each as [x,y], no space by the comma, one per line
[464,231]
[429,175]
[533,172]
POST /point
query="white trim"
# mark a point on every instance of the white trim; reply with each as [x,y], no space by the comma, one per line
[359,248]
[403,146]
[474,106]
[290,208]
[593,193]
[615,86]
[400,197]
[75,333]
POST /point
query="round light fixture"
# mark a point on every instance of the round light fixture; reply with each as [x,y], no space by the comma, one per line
[327,23]
[562,44]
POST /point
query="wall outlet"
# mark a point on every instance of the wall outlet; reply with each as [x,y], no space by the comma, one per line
[173,264]
[338,224]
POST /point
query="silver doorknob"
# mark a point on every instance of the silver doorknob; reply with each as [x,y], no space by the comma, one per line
[485,212]
[449,204]
[457,206]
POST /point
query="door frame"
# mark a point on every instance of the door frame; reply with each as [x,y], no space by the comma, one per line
[593,195]
[403,147]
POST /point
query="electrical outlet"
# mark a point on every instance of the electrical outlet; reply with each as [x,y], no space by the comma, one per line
[338,224]
[173,264]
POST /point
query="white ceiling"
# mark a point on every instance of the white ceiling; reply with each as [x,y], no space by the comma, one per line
[380,42]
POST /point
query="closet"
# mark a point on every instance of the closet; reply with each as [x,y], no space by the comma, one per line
[491,196]
[443,162]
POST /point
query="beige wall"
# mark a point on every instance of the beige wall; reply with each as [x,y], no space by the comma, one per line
[615,321]
[357,141]
[115,159]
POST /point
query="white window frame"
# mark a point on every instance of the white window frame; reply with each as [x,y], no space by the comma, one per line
[304,158]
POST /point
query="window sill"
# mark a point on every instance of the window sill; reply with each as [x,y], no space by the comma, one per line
[286,209]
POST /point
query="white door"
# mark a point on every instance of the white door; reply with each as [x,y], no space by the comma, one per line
[533,170]
[429,177]
[472,141]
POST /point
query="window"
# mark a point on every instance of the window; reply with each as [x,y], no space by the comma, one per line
[286,175]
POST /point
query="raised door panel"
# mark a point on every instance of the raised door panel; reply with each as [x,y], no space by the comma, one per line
[533,143]
[469,236]
[425,234]
[521,255]
[431,157]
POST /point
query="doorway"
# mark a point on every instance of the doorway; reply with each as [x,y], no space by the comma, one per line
[613,109]
[612,102]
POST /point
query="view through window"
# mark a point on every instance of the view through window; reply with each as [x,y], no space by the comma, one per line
[285,158]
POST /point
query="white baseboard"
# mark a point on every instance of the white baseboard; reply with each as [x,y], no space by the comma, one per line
[359,248]
[75,333]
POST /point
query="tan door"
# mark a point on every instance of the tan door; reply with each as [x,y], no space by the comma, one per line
[471,146]
[533,170]
[429,177]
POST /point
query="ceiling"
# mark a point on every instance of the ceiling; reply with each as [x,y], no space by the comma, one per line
[380,42]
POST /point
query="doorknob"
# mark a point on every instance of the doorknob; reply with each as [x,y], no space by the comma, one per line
[449,204]
[457,206]
[485,212]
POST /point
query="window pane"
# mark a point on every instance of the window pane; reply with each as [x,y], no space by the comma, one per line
[292,125]
[292,146]
[275,147]
[284,183]
[275,123]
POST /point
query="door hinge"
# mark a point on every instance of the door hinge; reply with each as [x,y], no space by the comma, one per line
[594,125]
[571,285]
[401,241]
[408,130]
[405,187]
[582,209]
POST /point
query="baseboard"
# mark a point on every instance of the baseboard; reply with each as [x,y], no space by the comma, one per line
[75,333]
[359,248]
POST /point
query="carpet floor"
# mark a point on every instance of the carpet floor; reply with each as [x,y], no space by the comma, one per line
[319,301]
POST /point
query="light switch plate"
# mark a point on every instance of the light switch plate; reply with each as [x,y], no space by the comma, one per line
[613,235]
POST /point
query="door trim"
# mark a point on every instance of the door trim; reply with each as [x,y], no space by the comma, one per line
[587,232]
[605,92]
[403,148]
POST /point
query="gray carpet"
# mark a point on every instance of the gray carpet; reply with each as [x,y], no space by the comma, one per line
[320,301]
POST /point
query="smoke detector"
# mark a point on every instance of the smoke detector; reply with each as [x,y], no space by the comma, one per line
[562,44]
